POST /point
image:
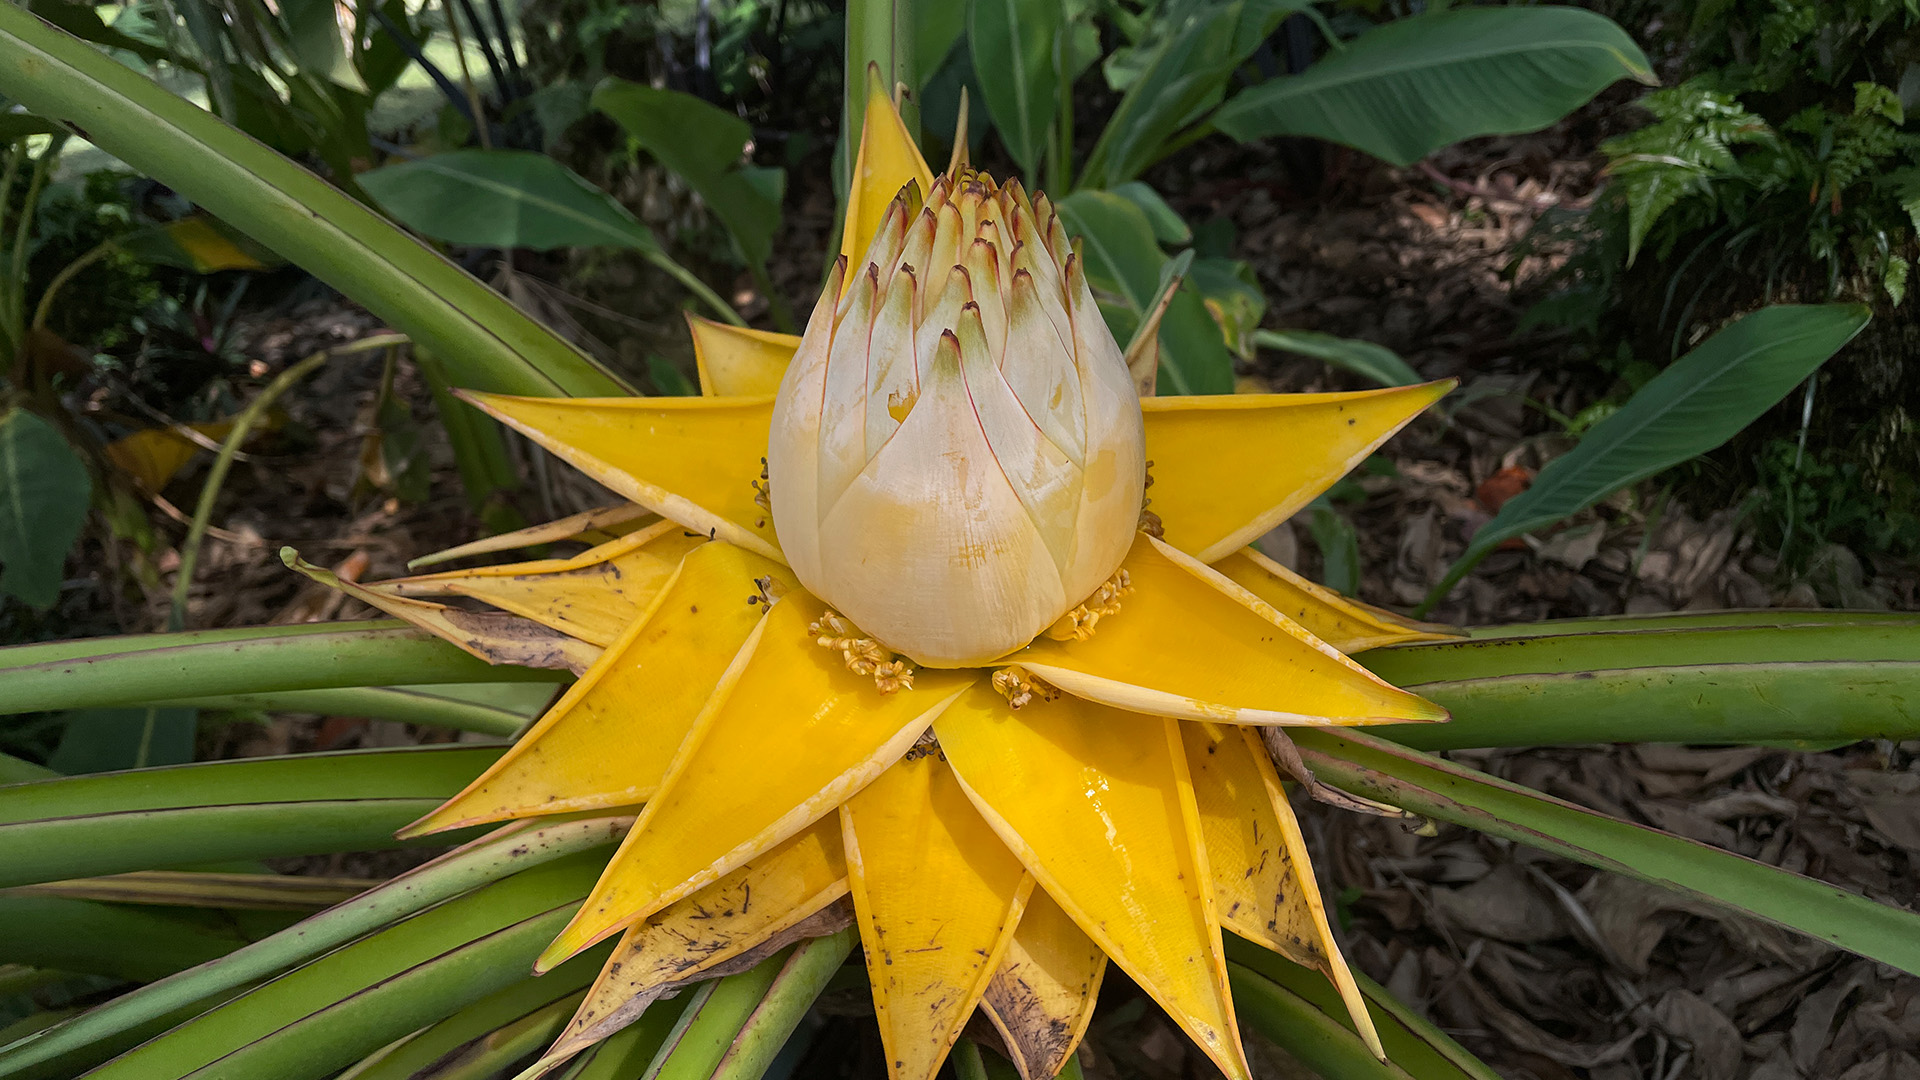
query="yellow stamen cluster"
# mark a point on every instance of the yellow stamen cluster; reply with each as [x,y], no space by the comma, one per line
[1020,688]
[1149,521]
[1079,623]
[762,489]
[863,655]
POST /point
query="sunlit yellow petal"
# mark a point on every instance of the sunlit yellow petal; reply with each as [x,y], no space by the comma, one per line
[690,460]
[1188,642]
[1264,888]
[1097,803]
[594,596]
[492,636]
[609,741]
[788,735]
[739,361]
[888,159]
[1042,996]
[937,897]
[1227,468]
[740,912]
[1340,621]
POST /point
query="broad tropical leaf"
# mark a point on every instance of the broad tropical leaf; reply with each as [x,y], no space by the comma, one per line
[43,502]
[1701,401]
[1408,88]
[488,342]
[702,144]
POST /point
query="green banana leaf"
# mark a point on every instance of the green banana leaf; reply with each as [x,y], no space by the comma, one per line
[486,341]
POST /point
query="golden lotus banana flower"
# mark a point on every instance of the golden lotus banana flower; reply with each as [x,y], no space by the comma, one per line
[922,673]
[956,456]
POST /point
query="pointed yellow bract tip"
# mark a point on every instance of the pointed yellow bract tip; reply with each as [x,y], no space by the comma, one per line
[888,159]
[1229,467]
[739,361]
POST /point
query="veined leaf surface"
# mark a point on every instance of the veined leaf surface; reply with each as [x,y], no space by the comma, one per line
[1406,89]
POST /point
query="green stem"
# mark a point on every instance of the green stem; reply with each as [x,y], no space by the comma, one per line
[776,303]
[1436,788]
[793,991]
[466,79]
[1180,142]
[1063,119]
[217,475]
[488,859]
[410,706]
[22,237]
[878,32]
[478,441]
[14,770]
[967,1064]
[143,668]
[695,286]
[67,274]
[15,152]
[1460,568]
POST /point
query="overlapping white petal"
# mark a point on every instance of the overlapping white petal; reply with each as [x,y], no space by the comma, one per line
[962,402]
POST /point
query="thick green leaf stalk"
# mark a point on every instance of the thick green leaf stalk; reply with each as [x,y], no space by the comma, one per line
[488,859]
[142,668]
[1814,678]
[1436,788]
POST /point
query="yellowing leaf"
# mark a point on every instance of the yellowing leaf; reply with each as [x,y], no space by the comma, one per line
[594,596]
[153,457]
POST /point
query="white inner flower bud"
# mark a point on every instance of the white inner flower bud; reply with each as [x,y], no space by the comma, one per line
[957,457]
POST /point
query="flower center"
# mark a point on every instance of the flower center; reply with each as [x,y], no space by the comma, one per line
[956,459]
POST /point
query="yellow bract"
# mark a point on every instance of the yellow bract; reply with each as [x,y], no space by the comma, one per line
[1342,622]
[1263,882]
[937,899]
[993,856]
[887,161]
[1099,806]
[787,736]
[732,921]
[1214,458]
[1042,997]
[1191,643]
[690,460]
[592,596]
[611,739]
[738,361]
